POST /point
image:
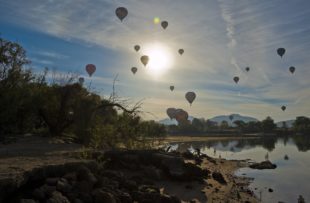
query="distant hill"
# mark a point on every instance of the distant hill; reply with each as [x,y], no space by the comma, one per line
[236,117]
[289,123]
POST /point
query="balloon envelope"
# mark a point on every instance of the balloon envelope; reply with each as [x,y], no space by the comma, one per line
[144,59]
[281,52]
[171,87]
[190,97]
[137,47]
[181,51]
[164,24]
[181,115]
[292,69]
[121,13]
[283,108]
[247,69]
[134,70]
[171,112]
[90,69]
[231,117]
[236,79]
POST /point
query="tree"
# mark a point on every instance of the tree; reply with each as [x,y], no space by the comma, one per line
[197,125]
[224,125]
[253,126]
[15,90]
[240,125]
[302,125]
[268,125]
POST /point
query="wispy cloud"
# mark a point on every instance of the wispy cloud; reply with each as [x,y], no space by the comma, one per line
[220,39]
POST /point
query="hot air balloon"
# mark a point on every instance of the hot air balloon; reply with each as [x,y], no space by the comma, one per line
[81,80]
[283,108]
[171,87]
[121,13]
[231,117]
[90,69]
[181,115]
[281,52]
[164,24]
[144,59]
[134,70]
[171,112]
[292,69]
[236,79]
[137,47]
[190,97]
[181,51]
[247,69]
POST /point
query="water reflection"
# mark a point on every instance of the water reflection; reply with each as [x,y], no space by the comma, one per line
[291,154]
[236,145]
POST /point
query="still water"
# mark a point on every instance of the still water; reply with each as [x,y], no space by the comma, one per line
[290,179]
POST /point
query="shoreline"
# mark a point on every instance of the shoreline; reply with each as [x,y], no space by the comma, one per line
[235,189]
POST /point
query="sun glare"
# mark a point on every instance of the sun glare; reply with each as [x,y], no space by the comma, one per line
[160,59]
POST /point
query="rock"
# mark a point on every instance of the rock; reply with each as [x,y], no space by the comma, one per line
[115,175]
[188,155]
[63,186]
[263,165]
[70,177]
[129,185]
[219,177]
[125,198]
[48,190]
[270,190]
[149,189]
[169,199]
[194,172]
[86,197]
[152,172]
[85,174]
[51,181]
[175,199]
[101,196]
[27,201]
[84,186]
[57,197]
[77,201]
[38,194]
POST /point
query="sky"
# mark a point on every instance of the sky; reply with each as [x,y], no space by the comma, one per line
[220,39]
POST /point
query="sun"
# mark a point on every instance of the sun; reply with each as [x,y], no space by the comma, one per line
[160,59]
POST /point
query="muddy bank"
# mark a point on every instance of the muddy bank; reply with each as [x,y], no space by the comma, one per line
[132,176]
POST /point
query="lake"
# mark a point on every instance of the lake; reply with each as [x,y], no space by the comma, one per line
[290,179]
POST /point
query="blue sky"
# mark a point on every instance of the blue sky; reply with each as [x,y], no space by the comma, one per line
[220,39]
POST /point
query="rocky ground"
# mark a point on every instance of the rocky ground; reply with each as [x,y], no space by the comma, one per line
[120,176]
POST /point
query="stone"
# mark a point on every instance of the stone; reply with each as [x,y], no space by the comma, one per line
[63,186]
[51,181]
[57,197]
[101,196]
[27,201]
[38,194]
[219,177]
[263,165]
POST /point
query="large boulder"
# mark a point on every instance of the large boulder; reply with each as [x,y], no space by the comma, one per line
[263,165]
